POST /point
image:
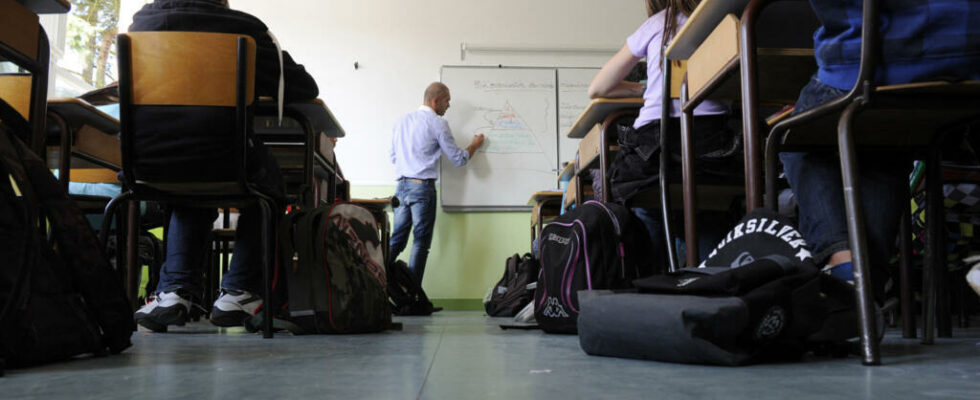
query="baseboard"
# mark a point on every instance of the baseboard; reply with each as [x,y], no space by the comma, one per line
[459,304]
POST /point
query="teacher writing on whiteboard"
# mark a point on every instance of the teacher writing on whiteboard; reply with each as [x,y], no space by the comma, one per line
[417,142]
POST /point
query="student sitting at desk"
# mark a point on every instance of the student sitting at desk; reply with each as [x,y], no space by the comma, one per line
[180,277]
[922,41]
[637,165]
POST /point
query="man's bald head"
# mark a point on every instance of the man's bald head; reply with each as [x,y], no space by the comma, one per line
[437,97]
[435,89]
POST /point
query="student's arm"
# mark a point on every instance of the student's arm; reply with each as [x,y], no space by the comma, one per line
[609,81]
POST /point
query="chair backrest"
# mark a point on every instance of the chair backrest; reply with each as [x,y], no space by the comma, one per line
[19,30]
[184,105]
[15,89]
[22,42]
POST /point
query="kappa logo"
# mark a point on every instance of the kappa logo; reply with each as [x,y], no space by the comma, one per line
[558,239]
[687,281]
[772,323]
[554,309]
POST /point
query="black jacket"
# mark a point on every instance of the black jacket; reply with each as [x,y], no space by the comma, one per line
[211,16]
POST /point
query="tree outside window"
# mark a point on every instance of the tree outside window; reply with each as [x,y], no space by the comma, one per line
[91,38]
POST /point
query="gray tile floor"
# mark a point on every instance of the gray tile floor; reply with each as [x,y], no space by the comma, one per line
[464,355]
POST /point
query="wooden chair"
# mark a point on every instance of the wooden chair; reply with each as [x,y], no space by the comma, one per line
[915,117]
[167,72]
[24,43]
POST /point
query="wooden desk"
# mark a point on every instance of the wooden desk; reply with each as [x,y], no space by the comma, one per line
[597,111]
[546,205]
[303,146]
[716,45]
[83,131]
[566,172]
[599,118]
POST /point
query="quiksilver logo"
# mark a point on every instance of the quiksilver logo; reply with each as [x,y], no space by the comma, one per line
[558,239]
[768,226]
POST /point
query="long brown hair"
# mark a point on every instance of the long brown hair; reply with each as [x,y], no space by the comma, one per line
[670,16]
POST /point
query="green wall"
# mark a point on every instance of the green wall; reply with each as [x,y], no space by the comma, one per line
[468,250]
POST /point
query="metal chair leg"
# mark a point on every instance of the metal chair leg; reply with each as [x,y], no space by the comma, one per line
[665,211]
[110,211]
[689,184]
[905,272]
[932,262]
[772,160]
[267,271]
[134,268]
[856,234]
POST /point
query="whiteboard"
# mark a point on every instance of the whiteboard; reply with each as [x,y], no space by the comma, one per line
[518,110]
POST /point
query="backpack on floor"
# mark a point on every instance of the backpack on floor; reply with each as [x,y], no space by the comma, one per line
[511,293]
[758,297]
[595,246]
[330,270]
[405,291]
[58,294]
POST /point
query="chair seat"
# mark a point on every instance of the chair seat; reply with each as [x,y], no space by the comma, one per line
[907,117]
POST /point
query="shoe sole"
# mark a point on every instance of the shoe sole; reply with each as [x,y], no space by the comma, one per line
[228,319]
[159,324]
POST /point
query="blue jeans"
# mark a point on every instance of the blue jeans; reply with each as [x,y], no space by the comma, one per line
[816,182]
[417,203]
[187,237]
[713,226]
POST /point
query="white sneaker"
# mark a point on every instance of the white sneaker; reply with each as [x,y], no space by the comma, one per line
[973,278]
[233,307]
[167,308]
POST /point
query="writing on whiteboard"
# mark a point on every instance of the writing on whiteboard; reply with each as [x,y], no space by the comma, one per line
[498,85]
[507,132]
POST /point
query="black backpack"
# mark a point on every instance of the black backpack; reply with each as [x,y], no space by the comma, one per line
[329,275]
[405,291]
[59,296]
[759,297]
[594,246]
[511,293]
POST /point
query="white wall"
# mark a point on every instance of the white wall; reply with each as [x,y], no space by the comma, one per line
[400,45]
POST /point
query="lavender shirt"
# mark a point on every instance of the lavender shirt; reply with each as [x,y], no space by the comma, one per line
[417,142]
[645,42]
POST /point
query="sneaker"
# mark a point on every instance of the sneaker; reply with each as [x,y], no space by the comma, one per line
[233,307]
[167,308]
[973,278]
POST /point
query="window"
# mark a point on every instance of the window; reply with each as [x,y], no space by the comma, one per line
[83,47]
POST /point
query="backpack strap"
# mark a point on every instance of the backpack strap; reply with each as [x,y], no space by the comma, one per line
[12,169]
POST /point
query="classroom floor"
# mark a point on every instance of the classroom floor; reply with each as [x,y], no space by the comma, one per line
[465,355]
